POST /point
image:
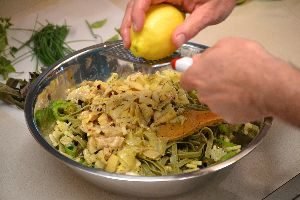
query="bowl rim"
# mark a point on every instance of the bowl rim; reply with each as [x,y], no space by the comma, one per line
[31,125]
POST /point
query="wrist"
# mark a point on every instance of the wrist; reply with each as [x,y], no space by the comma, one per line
[281,89]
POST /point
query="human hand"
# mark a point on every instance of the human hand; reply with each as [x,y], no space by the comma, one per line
[236,78]
[203,13]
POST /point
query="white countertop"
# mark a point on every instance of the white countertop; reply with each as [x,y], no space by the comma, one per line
[29,172]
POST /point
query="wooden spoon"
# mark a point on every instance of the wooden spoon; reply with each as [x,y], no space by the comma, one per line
[195,121]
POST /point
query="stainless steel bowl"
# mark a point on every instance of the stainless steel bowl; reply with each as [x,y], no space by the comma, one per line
[91,64]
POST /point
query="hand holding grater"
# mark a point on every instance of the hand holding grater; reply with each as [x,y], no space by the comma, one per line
[181,60]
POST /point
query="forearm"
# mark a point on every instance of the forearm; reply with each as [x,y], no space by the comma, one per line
[284,94]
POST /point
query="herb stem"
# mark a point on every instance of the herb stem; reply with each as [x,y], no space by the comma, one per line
[74,41]
[21,29]
[92,32]
[22,57]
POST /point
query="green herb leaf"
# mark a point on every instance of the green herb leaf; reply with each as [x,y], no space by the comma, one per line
[4,25]
[12,51]
[98,24]
[3,40]
[5,67]
[118,30]
[239,2]
[113,38]
[5,22]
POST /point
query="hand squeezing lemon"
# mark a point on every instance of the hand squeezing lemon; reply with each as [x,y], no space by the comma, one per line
[155,40]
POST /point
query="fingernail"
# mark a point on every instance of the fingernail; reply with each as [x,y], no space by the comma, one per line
[134,27]
[180,39]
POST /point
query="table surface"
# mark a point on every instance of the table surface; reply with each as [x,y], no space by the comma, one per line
[29,172]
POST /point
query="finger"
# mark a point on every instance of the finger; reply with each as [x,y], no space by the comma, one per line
[201,99]
[189,79]
[139,12]
[140,9]
[194,23]
[126,24]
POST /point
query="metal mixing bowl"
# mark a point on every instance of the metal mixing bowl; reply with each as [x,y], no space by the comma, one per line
[91,64]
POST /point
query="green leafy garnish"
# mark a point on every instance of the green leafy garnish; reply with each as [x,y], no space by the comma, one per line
[95,25]
[48,44]
[239,2]
[12,51]
[91,30]
[5,64]
[98,24]
[113,38]
[5,67]
[4,25]
[118,30]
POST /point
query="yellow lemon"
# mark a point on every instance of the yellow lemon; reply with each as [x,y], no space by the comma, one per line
[155,40]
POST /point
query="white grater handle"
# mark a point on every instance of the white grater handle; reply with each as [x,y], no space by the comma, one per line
[181,64]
